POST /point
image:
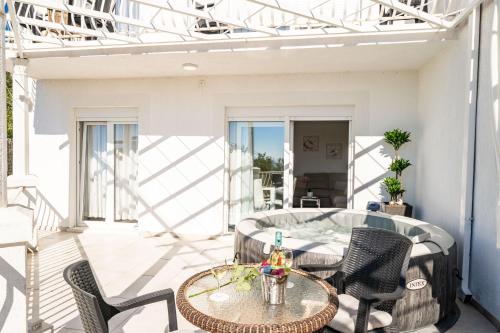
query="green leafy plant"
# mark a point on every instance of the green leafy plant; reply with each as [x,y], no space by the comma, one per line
[398,165]
[8,88]
[242,275]
[267,163]
[394,185]
[396,138]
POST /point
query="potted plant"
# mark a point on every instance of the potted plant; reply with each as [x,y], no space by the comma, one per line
[394,185]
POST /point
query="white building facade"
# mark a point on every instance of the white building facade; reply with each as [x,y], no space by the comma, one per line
[162,133]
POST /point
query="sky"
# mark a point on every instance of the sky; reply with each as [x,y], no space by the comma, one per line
[269,137]
[269,140]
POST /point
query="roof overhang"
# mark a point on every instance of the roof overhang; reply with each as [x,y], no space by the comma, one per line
[364,57]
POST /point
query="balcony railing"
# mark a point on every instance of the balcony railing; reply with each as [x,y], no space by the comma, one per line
[271,178]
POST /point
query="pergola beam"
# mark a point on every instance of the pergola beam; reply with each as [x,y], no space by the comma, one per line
[279,5]
[172,24]
[156,42]
[77,30]
[109,17]
[168,6]
[43,39]
[465,13]
[14,24]
[347,39]
[416,13]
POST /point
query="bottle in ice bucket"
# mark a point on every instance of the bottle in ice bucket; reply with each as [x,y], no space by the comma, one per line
[274,275]
[278,239]
[277,258]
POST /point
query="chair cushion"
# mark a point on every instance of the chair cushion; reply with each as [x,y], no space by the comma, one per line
[345,319]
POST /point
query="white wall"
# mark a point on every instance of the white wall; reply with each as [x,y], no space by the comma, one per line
[316,161]
[181,125]
[485,263]
[443,112]
[373,157]
[13,264]
[440,138]
[16,230]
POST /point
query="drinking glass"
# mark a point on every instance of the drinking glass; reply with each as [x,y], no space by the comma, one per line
[288,264]
[218,273]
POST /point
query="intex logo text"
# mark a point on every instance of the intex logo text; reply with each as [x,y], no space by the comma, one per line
[416,284]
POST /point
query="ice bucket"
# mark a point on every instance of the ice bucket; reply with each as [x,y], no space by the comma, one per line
[273,289]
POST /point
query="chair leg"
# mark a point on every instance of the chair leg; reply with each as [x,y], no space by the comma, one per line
[172,315]
[362,318]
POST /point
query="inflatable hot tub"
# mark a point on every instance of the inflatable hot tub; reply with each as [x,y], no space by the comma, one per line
[321,236]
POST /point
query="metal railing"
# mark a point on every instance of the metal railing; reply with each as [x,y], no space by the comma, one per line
[271,178]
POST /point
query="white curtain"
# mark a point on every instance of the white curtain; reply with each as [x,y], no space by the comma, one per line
[126,172]
[240,171]
[259,203]
[95,172]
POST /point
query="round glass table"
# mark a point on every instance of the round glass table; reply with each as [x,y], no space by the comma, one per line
[309,305]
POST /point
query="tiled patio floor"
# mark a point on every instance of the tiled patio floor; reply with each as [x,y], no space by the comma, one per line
[128,264]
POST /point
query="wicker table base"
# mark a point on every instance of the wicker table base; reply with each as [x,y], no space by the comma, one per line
[224,318]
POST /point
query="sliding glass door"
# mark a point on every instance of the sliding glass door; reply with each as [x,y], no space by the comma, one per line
[125,170]
[94,172]
[108,171]
[256,167]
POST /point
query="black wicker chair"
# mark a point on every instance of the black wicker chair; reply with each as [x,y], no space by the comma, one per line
[95,312]
[369,280]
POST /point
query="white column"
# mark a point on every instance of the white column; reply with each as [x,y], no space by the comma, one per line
[20,116]
[468,154]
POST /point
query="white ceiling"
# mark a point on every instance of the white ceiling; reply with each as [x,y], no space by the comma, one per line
[393,57]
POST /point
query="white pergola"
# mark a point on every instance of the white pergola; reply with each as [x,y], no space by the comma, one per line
[55,28]
[43,28]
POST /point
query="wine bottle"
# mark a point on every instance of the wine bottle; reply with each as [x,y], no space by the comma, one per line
[278,239]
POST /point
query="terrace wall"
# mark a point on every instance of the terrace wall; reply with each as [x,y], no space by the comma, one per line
[485,263]
[182,124]
[443,112]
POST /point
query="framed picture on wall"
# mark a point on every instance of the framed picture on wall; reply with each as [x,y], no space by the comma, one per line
[310,143]
[333,151]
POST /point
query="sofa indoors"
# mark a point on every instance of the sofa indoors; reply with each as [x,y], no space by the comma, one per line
[330,188]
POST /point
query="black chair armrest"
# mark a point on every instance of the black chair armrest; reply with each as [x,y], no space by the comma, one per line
[338,282]
[157,296]
[366,302]
[382,297]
